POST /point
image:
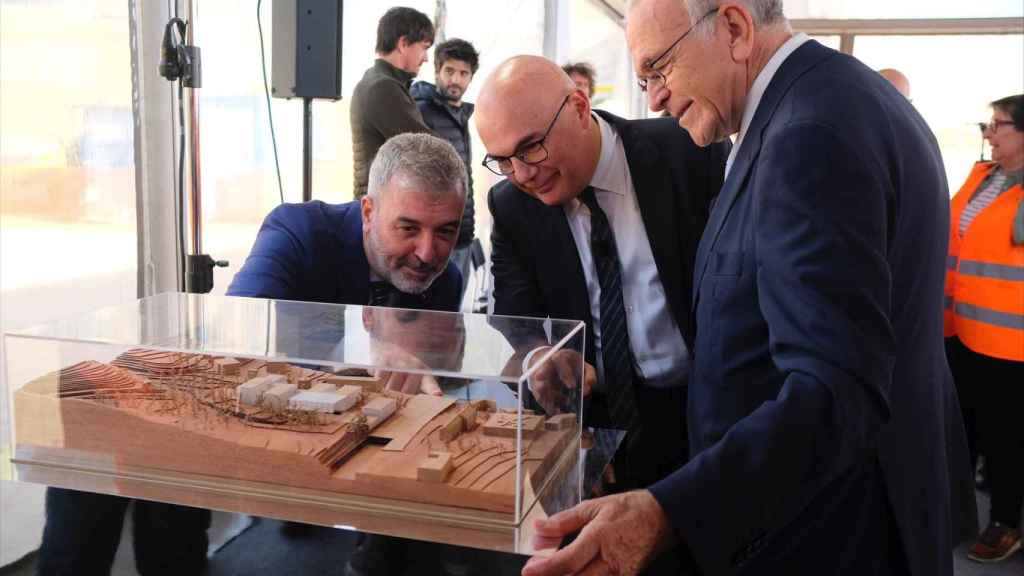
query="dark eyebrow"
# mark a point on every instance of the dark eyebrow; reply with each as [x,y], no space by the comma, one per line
[407,220]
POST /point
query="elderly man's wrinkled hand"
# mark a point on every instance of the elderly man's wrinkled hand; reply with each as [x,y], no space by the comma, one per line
[619,534]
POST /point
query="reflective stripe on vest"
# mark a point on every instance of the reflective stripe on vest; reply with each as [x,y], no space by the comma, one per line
[989,316]
[989,270]
[959,202]
[984,300]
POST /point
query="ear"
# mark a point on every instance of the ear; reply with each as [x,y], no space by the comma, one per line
[739,26]
[366,208]
[402,44]
[580,103]
[368,319]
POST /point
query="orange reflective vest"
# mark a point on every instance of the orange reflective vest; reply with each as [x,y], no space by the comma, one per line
[984,304]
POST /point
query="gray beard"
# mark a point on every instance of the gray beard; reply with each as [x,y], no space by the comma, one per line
[379,265]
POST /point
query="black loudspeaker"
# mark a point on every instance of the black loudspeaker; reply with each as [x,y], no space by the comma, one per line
[306,50]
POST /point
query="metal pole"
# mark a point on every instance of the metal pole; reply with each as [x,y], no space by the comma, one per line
[307,149]
[196,192]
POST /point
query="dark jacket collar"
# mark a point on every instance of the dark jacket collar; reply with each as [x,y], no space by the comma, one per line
[640,151]
[354,265]
[423,91]
[802,59]
[385,67]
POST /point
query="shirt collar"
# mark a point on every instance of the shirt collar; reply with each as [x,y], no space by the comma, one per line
[764,77]
[609,175]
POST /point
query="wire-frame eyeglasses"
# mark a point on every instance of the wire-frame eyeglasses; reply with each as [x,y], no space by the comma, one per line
[657,79]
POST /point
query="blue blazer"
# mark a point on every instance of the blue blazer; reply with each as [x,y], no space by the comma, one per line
[824,429]
[313,252]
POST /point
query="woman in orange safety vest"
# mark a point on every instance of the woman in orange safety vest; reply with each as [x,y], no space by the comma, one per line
[984,320]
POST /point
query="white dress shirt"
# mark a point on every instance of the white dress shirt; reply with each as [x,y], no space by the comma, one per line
[657,344]
[764,78]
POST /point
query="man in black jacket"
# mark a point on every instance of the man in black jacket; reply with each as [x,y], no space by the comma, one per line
[455,63]
[598,220]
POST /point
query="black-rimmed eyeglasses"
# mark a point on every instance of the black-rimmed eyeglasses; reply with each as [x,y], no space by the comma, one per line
[656,78]
[531,153]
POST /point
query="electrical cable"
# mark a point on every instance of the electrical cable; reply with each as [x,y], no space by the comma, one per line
[179,200]
[266,91]
[181,188]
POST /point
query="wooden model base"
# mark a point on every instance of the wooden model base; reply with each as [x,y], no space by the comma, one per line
[179,413]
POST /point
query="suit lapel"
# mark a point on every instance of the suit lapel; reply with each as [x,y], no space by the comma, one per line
[656,195]
[564,262]
[807,55]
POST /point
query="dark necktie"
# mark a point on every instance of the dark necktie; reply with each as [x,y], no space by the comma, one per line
[615,352]
[380,293]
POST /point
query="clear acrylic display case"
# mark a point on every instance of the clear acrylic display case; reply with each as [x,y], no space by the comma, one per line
[385,417]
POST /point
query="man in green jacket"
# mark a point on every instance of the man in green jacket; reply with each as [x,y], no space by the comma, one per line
[381,104]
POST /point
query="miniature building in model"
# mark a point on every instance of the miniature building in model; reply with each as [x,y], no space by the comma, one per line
[276,398]
[321,401]
[251,393]
[255,369]
[504,424]
[435,467]
[278,367]
[227,366]
[349,390]
[378,410]
[303,378]
[323,387]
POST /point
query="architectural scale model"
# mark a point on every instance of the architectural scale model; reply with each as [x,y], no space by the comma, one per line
[273,422]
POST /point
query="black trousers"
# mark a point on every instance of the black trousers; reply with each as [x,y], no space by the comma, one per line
[83,531]
[658,446]
[999,389]
[959,357]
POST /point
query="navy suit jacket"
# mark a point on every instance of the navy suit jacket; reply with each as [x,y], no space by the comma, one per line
[537,270]
[825,433]
[313,252]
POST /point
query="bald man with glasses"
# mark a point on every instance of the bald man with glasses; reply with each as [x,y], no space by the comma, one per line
[598,220]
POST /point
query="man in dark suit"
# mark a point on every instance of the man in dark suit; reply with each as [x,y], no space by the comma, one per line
[599,221]
[824,430]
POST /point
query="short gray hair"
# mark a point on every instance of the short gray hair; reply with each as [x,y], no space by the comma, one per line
[764,12]
[425,159]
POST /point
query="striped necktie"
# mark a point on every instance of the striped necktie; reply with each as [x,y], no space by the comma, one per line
[616,356]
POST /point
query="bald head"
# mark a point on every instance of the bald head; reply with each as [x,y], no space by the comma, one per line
[513,88]
[532,118]
[897,79]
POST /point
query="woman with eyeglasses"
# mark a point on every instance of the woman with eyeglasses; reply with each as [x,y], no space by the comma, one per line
[984,321]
